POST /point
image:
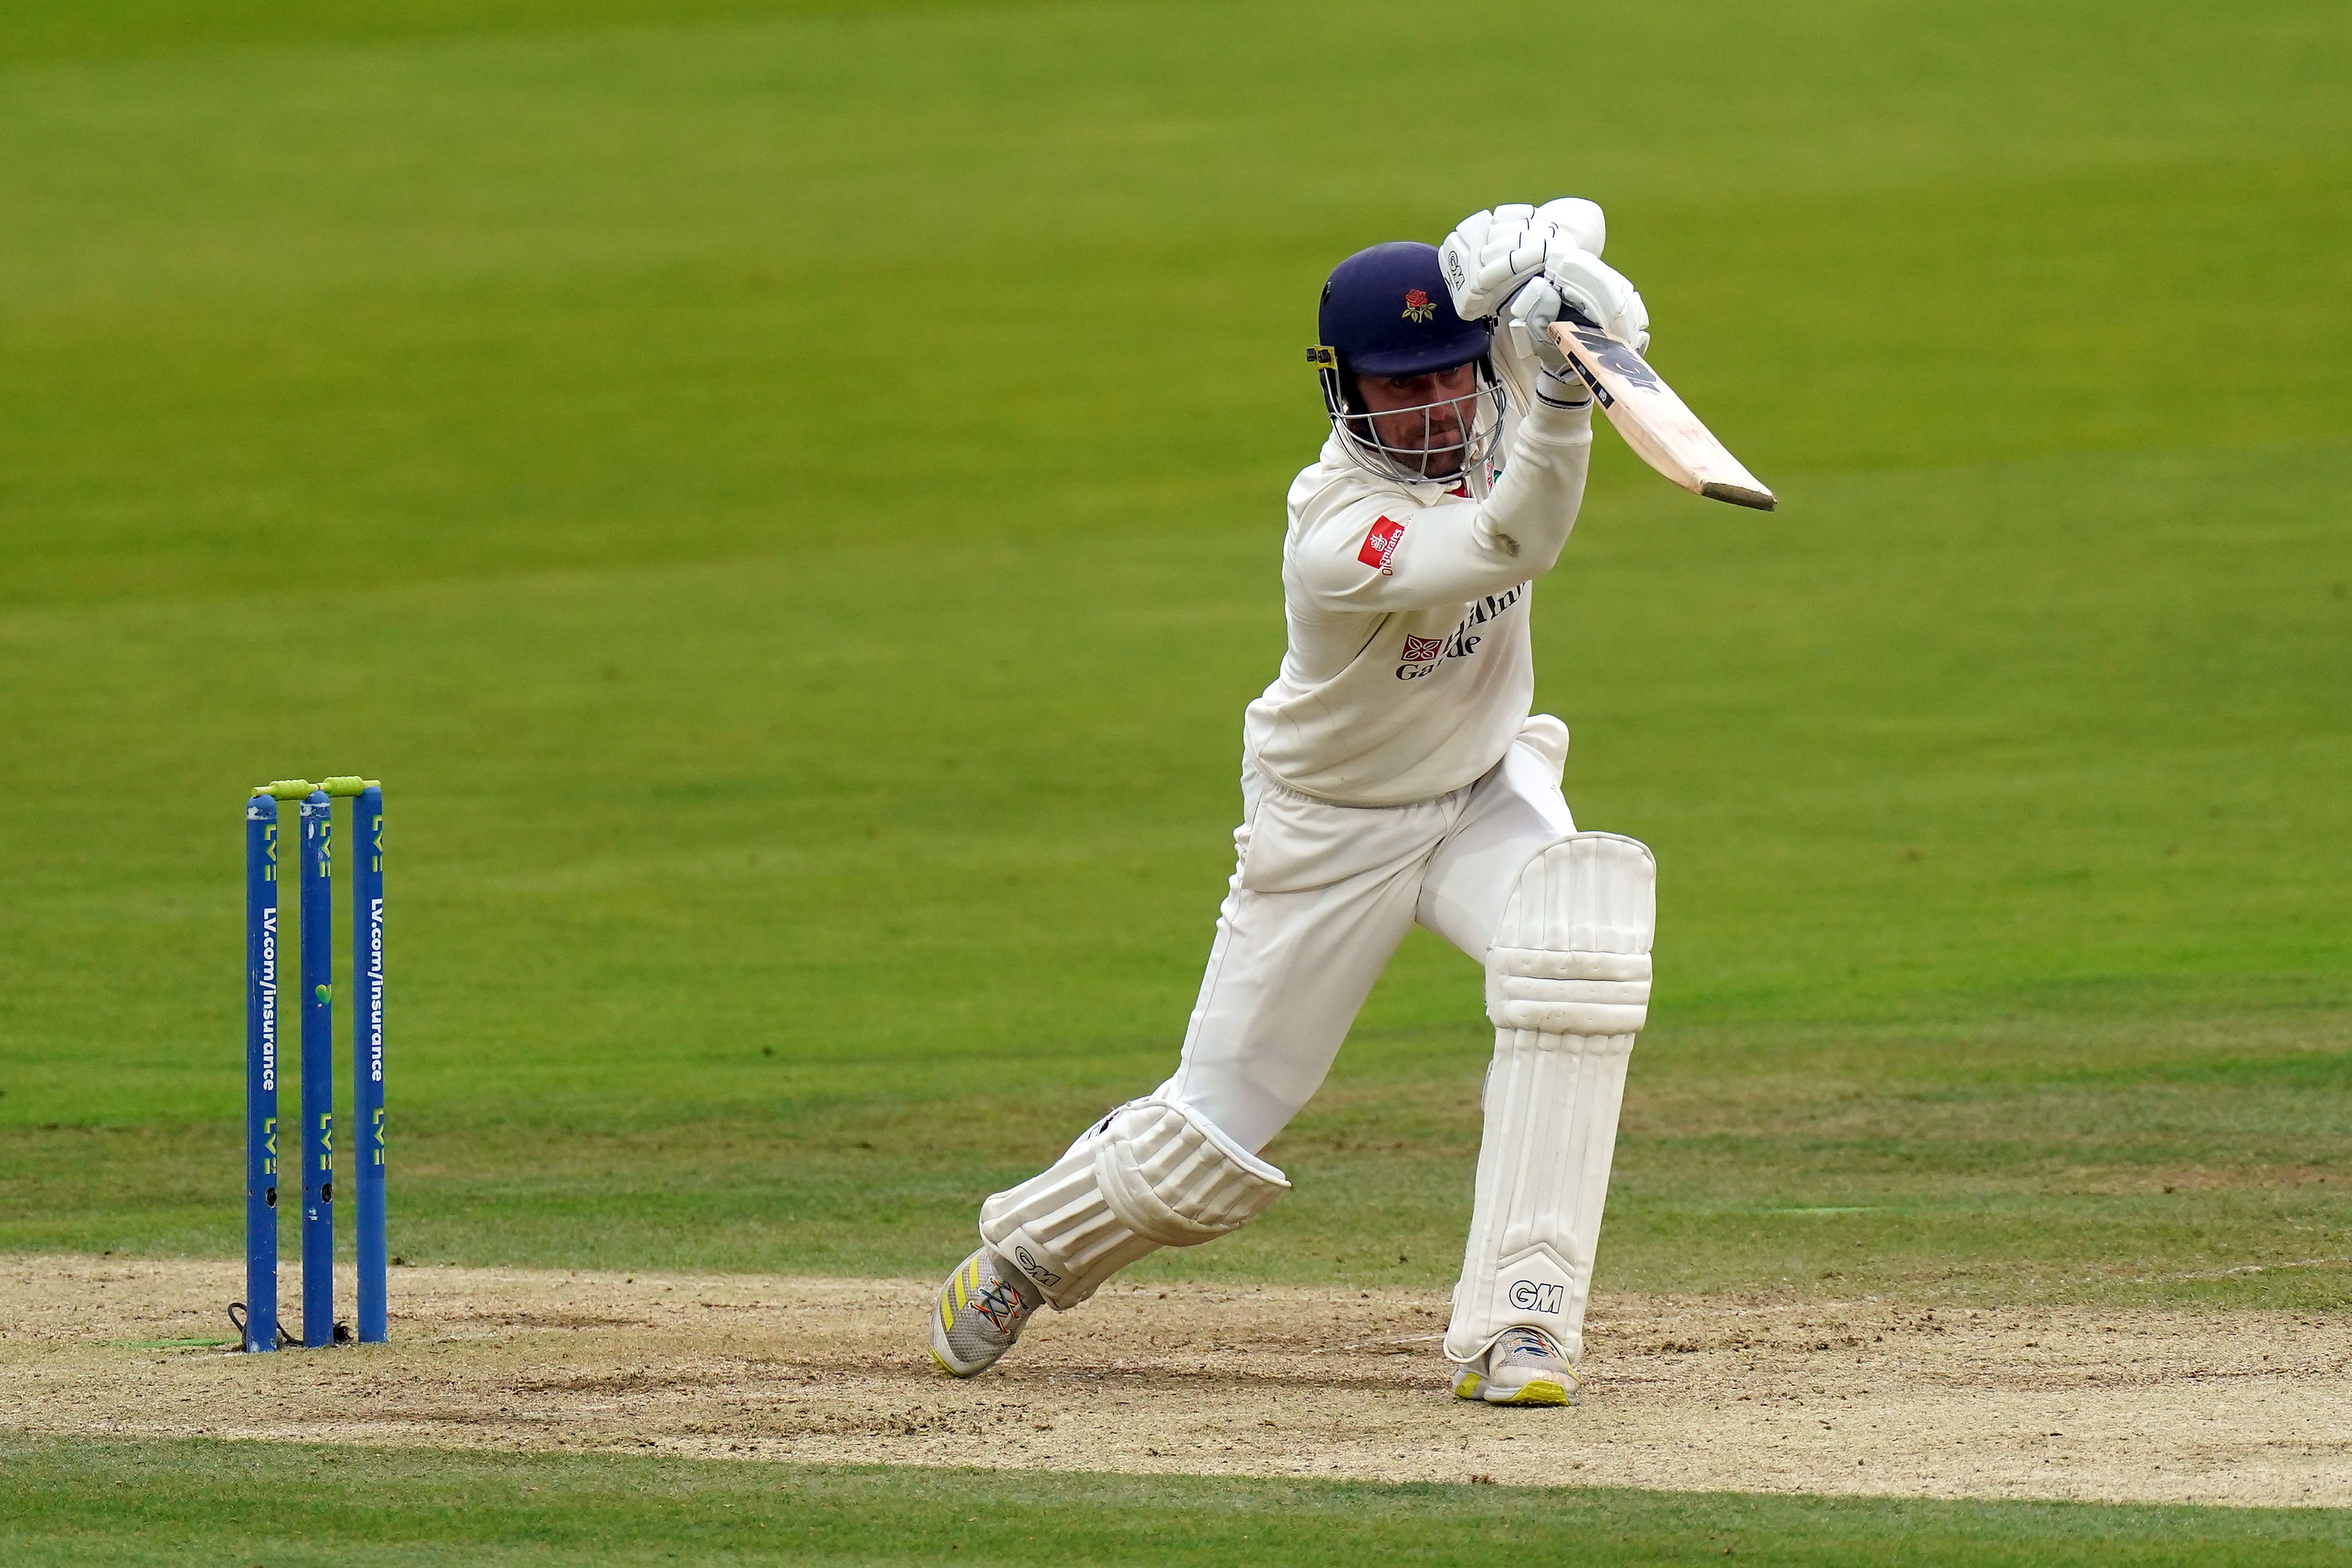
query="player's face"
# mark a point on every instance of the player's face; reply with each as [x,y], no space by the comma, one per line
[1432,414]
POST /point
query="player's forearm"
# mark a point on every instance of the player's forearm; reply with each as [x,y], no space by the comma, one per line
[1523,525]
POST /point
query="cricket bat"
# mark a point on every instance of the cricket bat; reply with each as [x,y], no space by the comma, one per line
[1655,423]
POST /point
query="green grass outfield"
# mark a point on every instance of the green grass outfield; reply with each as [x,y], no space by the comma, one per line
[288,1505]
[788,499]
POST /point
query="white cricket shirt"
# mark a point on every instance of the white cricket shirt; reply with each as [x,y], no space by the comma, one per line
[1410,668]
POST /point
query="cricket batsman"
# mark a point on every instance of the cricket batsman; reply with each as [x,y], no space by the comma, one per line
[1393,774]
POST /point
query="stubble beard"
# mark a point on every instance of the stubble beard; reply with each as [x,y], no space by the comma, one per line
[1442,459]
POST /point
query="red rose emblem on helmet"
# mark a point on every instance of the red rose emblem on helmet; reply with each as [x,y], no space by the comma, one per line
[1417,307]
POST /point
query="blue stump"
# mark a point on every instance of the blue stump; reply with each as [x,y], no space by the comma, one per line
[317,817]
[367,1054]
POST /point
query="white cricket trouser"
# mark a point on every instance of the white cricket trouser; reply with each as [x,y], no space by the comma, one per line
[1320,896]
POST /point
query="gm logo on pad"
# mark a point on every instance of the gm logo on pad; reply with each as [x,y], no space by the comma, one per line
[1530,1297]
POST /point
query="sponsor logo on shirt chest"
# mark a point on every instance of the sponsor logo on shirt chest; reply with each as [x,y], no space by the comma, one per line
[1424,656]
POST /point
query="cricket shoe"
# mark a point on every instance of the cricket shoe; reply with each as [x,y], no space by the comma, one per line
[1523,1367]
[981,1314]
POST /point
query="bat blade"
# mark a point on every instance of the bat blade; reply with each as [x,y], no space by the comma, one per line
[1658,425]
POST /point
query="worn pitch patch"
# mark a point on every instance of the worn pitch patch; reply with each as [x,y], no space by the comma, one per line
[1750,1394]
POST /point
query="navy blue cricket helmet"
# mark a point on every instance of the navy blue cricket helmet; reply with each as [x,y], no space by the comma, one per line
[1386,312]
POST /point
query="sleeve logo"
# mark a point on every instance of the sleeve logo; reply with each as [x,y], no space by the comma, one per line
[1421,650]
[1380,545]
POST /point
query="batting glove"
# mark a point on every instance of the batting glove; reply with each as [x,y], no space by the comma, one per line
[1579,219]
[1491,255]
[1573,277]
[1488,256]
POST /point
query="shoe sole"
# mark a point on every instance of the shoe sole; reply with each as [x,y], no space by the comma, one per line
[1535,1391]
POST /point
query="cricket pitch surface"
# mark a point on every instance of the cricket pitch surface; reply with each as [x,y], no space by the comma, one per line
[1750,1394]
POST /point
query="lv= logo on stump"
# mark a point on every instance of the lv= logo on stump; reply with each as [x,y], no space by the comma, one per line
[257,1315]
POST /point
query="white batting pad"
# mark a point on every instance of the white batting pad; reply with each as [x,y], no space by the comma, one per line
[1152,1174]
[1568,987]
